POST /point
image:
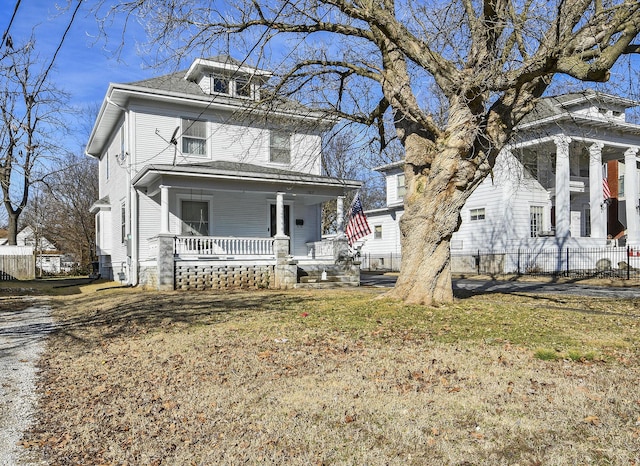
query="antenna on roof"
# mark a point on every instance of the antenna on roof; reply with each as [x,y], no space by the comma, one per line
[173,140]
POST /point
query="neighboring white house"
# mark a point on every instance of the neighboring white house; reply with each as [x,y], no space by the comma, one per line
[48,258]
[205,184]
[546,190]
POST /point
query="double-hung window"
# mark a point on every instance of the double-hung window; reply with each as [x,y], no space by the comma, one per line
[402,188]
[194,137]
[280,147]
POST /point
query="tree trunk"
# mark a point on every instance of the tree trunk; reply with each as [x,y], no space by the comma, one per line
[437,189]
[12,230]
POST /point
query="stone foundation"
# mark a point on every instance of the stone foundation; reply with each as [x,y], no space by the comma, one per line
[204,276]
[148,277]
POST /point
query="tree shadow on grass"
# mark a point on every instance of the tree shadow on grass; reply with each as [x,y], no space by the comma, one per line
[140,312]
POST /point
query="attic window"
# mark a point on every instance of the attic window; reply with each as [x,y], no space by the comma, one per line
[243,87]
[220,84]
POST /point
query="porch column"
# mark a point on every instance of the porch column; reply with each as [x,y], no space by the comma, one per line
[563,193]
[280,215]
[340,216]
[631,196]
[596,197]
[164,209]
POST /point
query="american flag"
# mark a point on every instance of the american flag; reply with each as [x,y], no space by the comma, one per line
[357,226]
[605,184]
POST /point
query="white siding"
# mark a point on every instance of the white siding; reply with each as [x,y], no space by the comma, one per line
[390,241]
[228,140]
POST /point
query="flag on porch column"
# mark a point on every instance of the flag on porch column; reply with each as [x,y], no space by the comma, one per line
[605,183]
[357,226]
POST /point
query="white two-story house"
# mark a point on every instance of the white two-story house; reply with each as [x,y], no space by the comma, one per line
[206,183]
[547,190]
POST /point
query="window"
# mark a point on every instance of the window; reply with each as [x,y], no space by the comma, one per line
[477,214]
[243,87]
[280,147]
[195,218]
[535,220]
[621,186]
[194,137]
[377,232]
[587,220]
[123,222]
[220,84]
[402,189]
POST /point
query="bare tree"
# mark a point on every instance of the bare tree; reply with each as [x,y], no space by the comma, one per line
[30,120]
[60,208]
[371,60]
[344,156]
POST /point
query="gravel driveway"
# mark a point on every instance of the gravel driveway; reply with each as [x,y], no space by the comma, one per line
[22,338]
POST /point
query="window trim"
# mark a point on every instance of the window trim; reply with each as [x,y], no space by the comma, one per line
[539,228]
[184,136]
[479,216]
[217,77]
[123,222]
[401,189]
[272,135]
[377,231]
[243,83]
[195,198]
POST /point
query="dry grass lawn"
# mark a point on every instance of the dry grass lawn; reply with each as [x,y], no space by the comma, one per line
[338,377]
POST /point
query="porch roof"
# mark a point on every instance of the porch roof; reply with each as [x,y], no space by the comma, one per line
[238,171]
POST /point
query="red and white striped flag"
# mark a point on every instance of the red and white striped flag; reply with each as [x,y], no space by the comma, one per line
[605,183]
[357,226]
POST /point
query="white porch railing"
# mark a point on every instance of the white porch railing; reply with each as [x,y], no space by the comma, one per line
[221,245]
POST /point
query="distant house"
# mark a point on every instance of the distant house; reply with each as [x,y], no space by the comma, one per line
[48,257]
[548,187]
[202,185]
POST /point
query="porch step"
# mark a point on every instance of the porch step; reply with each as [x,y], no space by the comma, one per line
[330,278]
[326,284]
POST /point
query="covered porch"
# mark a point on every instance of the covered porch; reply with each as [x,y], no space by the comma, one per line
[257,225]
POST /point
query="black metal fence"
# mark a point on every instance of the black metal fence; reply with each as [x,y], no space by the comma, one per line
[621,263]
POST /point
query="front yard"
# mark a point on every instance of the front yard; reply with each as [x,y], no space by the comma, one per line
[338,377]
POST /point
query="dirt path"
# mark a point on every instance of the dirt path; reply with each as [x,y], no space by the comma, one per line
[22,338]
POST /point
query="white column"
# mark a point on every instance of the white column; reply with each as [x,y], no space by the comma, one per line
[280,215]
[164,209]
[631,196]
[340,216]
[596,197]
[563,193]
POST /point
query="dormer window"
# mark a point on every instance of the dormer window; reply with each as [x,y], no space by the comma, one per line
[243,87]
[220,84]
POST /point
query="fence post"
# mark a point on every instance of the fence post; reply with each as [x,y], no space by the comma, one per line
[567,267]
[478,264]
[518,259]
[628,262]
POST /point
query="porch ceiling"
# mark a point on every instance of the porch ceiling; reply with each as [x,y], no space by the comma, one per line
[228,176]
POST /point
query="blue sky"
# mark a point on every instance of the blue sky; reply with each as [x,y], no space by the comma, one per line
[87,62]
